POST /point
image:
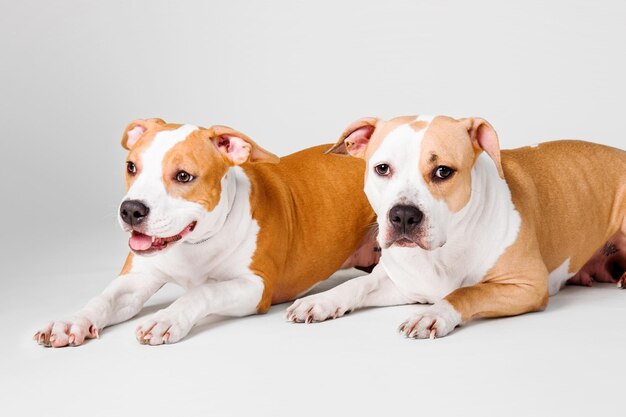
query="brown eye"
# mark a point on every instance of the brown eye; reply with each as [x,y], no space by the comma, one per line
[183,176]
[131,168]
[442,172]
[382,169]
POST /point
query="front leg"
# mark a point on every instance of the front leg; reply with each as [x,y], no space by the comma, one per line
[122,299]
[373,290]
[486,299]
[236,297]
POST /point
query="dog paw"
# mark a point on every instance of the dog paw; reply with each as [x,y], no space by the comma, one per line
[314,308]
[71,332]
[436,321]
[162,328]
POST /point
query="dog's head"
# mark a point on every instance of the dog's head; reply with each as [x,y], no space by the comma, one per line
[419,172]
[176,180]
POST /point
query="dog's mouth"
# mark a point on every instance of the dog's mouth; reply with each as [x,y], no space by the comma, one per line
[145,244]
[404,242]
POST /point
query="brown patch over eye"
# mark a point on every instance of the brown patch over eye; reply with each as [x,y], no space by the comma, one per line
[204,167]
[446,163]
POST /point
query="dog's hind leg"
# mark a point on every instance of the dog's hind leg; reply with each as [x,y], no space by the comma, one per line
[608,264]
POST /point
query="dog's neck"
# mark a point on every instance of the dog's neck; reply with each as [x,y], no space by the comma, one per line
[229,206]
[488,224]
[228,233]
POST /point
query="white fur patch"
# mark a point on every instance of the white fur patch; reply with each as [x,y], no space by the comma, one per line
[401,150]
[212,262]
[436,321]
[558,277]
[168,215]
[475,237]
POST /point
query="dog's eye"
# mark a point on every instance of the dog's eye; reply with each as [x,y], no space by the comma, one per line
[131,168]
[442,172]
[183,176]
[382,169]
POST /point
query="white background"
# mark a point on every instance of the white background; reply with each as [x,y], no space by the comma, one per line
[290,74]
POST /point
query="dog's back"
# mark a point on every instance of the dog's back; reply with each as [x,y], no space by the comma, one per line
[563,185]
[317,201]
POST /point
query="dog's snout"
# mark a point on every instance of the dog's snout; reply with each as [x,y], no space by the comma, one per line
[133,212]
[405,218]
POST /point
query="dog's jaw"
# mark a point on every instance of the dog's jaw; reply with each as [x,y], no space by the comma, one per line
[145,245]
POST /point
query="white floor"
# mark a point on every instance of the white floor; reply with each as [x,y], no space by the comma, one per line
[568,360]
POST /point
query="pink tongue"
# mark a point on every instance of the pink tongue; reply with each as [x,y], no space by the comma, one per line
[139,241]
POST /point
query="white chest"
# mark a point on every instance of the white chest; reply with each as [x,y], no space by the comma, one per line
[422,280]
[220,255]
[477,236]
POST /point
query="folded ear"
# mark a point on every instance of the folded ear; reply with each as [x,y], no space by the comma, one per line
[484,138]
[136,129]
[238,148]
[355,138]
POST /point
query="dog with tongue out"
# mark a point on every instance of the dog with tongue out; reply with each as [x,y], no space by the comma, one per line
[239,228]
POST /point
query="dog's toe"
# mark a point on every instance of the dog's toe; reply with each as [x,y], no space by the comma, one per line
[72,332]
[436,321]
[314,308]
[162,328]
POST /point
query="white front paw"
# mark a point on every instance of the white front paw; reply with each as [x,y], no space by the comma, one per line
[314,308]
[436,321]
[161,328]
[71,332]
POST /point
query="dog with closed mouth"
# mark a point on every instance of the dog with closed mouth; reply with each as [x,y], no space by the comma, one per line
[472,230]
[239,228]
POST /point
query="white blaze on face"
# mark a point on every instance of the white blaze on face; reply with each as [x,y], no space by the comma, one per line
[168,215]
[401,150]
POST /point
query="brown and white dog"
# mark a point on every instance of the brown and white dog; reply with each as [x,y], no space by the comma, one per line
[472,230]
[212,211]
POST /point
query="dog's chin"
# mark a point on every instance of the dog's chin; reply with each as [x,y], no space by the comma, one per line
[405,242]
[412,242]
[146,245]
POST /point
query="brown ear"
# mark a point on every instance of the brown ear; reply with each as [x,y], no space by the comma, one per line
[136,129]
[238,148]
[355,138]
[484,138]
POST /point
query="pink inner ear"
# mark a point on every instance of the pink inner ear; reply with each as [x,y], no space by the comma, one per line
[237,149]
[357,141]
[488,140]
[133,135]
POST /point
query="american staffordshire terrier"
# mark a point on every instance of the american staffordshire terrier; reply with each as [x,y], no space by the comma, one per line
[472,230]
[212,211]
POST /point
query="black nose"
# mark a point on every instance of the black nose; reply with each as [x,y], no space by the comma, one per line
[133,212]
[405,218]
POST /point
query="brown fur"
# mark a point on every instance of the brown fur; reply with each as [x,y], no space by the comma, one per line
[558,222]
[447,143]
[574,192]
[571,196]
[200,158]
[128,264]
[313,215]
[311,209]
